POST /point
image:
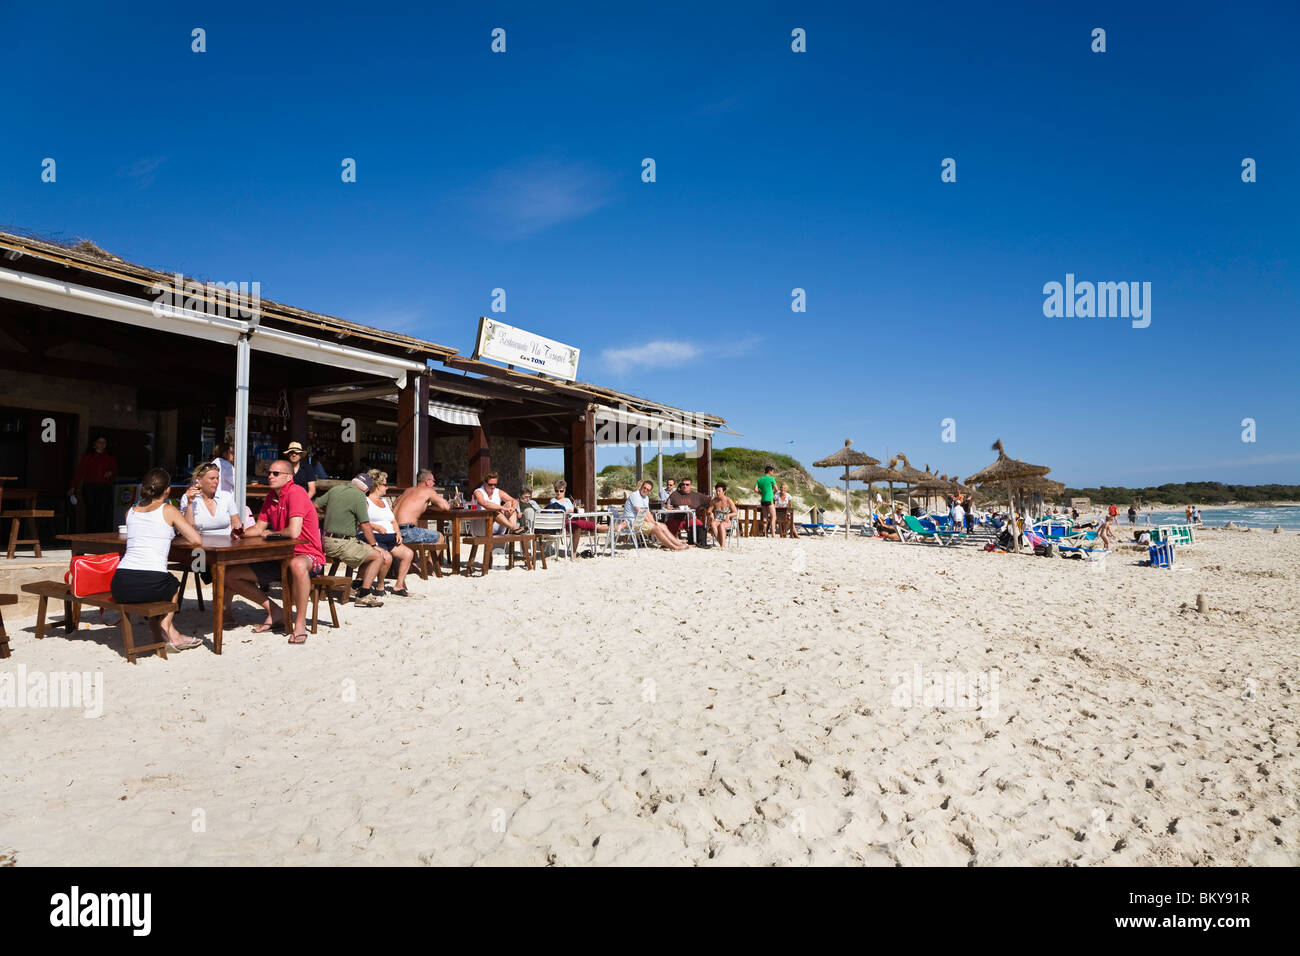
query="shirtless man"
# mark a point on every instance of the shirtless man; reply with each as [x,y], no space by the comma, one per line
[410,506]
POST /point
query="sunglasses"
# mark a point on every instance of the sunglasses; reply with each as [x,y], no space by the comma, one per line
[491,484]
[277,473]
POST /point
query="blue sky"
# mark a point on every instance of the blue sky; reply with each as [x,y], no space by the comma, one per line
[775,170]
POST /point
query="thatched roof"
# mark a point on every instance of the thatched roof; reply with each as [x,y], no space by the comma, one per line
[1006,469]
[846,457]
[1032,486]
[907,475]
[874,474]
[933,483]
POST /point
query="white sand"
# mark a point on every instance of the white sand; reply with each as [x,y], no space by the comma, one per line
[732,708]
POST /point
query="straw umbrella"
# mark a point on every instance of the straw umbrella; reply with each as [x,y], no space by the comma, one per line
[873,474]
[1011,472]
[848,458]
[907,475]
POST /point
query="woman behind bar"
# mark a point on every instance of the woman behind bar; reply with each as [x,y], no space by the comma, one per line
[142,576]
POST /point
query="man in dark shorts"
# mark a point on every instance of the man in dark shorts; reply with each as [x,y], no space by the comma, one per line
[289,512]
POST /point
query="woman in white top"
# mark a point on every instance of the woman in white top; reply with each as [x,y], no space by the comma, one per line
[225,462]
[636,510]
[209,509]
[388,535]
[142,576]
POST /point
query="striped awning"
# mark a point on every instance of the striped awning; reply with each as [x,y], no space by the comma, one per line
[622,426]
[454,414]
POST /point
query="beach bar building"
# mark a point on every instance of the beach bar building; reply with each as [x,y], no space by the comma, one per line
[165,366]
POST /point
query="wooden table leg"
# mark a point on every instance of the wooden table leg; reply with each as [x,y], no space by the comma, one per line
[218,603]
[286,589]
[455,545]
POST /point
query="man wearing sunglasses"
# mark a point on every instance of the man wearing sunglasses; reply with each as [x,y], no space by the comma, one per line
[288,511]
[491,498]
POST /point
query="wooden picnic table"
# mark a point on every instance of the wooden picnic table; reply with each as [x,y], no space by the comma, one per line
[457,516]
[220,552]
[751,521]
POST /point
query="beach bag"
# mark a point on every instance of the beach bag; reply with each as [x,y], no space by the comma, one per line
[1044,550]
[91,573]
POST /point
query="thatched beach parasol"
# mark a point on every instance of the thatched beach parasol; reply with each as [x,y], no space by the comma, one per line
[907,475]
[848,458]
[874,474]
[1010,472]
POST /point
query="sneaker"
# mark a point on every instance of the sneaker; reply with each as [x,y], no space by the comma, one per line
[368,600]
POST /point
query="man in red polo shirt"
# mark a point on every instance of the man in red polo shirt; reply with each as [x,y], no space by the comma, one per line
[289,512]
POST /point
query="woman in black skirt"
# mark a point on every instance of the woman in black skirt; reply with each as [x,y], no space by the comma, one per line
[142,576]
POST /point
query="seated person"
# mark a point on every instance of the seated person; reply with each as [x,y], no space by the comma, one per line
[489,497]
[722,514]
[212,511]
[883,530]
[670,486]
[289,512]
[784,500]
[410,507]
[528,509]
[142,576]
[694,516]
[636,511]
[387,534]
[562,502]
[347,512]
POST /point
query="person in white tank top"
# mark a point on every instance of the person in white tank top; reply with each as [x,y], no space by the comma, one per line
[383,524]
[491,498]
[142,576]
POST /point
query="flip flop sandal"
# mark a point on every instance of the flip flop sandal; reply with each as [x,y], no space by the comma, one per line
[264,627]
[188,646]
[303,635]
[401,593]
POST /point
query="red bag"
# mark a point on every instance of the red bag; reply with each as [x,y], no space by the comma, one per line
[91,573]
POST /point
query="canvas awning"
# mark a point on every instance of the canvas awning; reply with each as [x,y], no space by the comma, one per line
[622,426]
[455,414]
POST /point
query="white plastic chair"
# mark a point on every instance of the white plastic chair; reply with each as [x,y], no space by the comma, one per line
[552,527]
[620,527]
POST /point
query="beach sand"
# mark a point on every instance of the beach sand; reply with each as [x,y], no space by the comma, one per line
[700,708]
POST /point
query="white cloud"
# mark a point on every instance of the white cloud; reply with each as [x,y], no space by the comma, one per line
[649,355]
[526,198]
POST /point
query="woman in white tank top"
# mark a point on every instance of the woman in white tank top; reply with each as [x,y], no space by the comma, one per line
[142,576]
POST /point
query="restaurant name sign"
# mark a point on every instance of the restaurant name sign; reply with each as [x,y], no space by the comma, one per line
[505,343]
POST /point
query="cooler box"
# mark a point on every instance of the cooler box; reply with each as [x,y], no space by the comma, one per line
[1162,554]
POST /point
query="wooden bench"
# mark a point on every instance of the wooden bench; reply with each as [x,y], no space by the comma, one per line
[428,554]
[29,515]
[529,551]
[58,591]
[5,599]
[327,585]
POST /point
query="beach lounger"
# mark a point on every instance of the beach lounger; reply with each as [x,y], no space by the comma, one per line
[1081,546]
[932,533]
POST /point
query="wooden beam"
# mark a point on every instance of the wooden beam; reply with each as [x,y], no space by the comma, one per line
[479,457]
[704,467]
[583,446]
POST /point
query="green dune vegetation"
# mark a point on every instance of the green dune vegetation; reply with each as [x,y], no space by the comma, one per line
[1189,493]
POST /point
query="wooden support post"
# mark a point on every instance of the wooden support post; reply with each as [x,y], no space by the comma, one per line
[640,465]
[412,430]
[297,420]
[582,454]
[480,458]
[704,466]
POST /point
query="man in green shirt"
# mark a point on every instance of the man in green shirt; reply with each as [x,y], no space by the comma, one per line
[766,486]
[347,515]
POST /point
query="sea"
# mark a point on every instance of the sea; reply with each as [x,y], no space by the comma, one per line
[1262,519]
